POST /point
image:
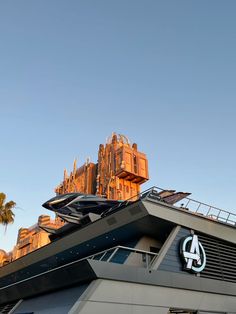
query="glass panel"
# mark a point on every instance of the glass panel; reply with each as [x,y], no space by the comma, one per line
[120,256]
[107,255]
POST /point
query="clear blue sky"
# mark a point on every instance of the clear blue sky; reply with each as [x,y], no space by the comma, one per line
[161,72]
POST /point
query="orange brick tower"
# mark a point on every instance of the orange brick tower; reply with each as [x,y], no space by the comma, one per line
[32,238]
[120,171]
[81,180]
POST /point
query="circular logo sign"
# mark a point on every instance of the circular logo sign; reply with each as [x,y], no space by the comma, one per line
[193,254]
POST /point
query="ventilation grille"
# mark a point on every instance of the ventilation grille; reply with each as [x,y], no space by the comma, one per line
[111,221]
[221,257]
[135,210]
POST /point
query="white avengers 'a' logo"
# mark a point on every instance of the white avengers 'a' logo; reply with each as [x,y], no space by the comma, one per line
[193,254]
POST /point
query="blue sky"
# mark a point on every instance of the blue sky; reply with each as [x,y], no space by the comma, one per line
[72,72]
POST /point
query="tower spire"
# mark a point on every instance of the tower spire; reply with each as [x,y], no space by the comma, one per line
[74,166]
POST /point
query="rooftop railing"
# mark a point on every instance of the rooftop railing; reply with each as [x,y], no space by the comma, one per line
[193,206]
[186,203]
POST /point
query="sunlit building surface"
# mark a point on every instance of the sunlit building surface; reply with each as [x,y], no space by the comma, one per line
[30,239]
[118,174]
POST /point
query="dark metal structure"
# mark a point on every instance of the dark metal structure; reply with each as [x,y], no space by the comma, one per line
[128,260]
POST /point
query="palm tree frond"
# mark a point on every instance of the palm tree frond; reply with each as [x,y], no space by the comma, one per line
[10,205]
[6,213]
[2,199]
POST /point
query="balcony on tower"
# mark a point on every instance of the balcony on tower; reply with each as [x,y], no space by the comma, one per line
[131,165]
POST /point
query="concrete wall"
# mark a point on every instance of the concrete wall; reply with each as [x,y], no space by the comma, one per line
[107,296]
[59,302]
[144,244]
[115,297]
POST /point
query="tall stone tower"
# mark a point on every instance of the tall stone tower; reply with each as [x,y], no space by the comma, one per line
[120,171]
[121,168]
[82,179]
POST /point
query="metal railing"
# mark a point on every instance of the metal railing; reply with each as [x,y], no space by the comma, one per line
[146,261]
[125,255]
[195,207]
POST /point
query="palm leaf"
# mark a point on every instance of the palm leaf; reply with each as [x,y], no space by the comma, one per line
[6,213]
[2,199]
